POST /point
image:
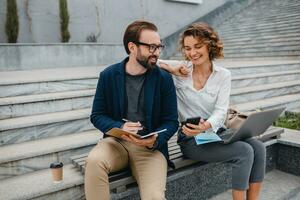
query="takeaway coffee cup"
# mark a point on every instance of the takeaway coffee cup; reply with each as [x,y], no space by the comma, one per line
[57,171]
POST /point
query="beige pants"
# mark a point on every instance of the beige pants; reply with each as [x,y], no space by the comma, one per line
[110,155]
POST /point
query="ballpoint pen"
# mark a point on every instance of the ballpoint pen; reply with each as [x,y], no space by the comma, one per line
[126,120]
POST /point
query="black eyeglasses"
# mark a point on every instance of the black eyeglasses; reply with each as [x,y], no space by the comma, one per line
[152,47]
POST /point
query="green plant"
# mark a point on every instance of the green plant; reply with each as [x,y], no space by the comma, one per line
[12,21]
[64,20]
[290,120]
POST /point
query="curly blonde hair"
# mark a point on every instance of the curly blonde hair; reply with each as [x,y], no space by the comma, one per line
[205,34]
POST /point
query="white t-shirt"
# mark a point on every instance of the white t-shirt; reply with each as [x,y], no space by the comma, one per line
[211,102]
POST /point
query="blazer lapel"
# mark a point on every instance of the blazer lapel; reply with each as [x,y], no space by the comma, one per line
[150,85]
[120,82]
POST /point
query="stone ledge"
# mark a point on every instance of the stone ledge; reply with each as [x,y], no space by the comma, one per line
[49,75]
[46,97]
[40,147]
[35,120]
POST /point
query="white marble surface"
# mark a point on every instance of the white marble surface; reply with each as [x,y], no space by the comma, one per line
[46,87]
[235,70]
[289,101]
[29,165]
[18,110]
[40,183]
[235,83]
[290,137]
[242,97]
[44,131]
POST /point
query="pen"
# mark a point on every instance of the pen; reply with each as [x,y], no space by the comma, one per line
[125,120]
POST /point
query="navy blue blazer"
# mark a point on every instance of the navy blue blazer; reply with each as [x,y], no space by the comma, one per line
[109,104]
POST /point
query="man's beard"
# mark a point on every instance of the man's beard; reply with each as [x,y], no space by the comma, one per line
[145,62]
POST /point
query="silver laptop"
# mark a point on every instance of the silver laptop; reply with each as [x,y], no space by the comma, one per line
[255,124]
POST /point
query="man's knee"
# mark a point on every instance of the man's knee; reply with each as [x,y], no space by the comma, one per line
[97,160]
[154,195]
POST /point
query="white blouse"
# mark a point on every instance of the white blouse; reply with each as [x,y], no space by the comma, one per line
[211,102]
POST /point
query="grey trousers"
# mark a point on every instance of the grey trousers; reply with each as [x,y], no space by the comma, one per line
[248,158]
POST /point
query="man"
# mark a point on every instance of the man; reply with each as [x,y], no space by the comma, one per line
[139,92]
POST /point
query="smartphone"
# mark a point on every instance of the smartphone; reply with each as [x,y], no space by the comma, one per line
[193,120]
[153,133]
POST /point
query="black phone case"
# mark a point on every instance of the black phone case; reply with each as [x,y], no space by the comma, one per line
[194,120]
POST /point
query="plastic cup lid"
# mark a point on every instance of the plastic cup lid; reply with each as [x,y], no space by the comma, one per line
[56,165]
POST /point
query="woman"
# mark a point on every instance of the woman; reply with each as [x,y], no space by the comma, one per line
[203,89]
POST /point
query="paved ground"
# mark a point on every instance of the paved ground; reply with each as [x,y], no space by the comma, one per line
[277,186]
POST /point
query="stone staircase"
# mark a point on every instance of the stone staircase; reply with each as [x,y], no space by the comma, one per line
[44,114]
[266,29]
[264,84]
[45,118]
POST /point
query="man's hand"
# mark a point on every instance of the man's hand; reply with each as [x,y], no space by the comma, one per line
[192,129]
[147,142]
[179,70]
[132,127]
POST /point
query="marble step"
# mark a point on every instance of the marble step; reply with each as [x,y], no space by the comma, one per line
[260,19]
[263,25]
[265,46]
[257,34]
[263,42]
[247,67]
[292,54]
[16,83]
[29,128]
[289,101]
[252,93]
[272,15]
[261,39]
[11,107]
[19,106]
[264,78]
[47,87]
[27,157]
[39,185]
[258,48]
[254,36]
[251,29]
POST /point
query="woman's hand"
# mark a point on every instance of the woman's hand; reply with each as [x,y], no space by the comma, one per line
[179,70]
[192,129]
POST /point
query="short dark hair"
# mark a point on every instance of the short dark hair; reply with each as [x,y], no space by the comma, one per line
[206,34]
[133,32]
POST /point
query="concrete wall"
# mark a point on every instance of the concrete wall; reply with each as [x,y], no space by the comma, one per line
[34,56]
[168,16]
[105,19]
[2,20]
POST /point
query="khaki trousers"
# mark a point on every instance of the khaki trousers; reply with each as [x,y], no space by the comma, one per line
[111,154]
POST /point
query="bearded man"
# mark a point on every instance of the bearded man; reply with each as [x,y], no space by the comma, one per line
[143,94]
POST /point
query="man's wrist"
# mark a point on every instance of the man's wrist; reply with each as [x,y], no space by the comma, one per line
[207,125]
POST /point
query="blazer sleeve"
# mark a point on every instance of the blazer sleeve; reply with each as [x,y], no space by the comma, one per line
[169,115]
[99,116]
